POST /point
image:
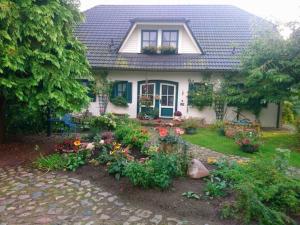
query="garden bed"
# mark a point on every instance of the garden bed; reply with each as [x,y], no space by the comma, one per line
[21,150]
[169,202]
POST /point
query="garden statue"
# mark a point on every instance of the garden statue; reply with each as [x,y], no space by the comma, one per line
[197,170]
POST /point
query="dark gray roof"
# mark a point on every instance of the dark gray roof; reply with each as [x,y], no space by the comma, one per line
[222,31]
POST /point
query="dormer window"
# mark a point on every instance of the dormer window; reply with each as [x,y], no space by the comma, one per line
[149,38]
[169,39]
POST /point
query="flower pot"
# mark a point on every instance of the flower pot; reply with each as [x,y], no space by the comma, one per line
[190,130]
[249,148]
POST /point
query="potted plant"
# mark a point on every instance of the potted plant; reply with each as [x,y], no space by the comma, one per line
[177,115]
[146,101]
[150,50]
[119,101]
[248,141]
[190,126]
[169,143]
[168,50]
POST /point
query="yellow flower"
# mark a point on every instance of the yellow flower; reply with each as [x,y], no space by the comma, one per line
[211,160]
[111,152]
[77,143]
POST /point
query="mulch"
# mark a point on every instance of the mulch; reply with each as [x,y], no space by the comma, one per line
[22,150]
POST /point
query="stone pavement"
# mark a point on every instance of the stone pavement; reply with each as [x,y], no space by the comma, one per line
[29,196]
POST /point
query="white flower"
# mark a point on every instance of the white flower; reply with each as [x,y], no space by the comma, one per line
[102,142]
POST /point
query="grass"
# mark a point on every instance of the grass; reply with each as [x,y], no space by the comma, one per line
[271,140]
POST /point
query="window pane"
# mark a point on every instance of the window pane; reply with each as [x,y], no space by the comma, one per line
[164,90]
[170,101]
[173,44]
[171,90]
[146,36]
[146,44]
[165,43]
[152,43]
[166,36]
[164,100]
[151,89]
[173,36]
[153,36]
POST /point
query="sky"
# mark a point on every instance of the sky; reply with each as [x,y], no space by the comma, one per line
[279,11]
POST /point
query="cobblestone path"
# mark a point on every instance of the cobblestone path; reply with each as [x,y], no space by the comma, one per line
[29,196]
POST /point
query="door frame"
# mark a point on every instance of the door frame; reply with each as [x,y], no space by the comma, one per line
[174,101]
[157,93]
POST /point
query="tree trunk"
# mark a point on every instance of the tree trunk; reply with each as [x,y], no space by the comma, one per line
[2,118]
[49,125]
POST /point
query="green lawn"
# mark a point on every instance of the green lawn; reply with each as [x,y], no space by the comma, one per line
[271,140]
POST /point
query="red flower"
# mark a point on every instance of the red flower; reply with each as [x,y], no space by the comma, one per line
[163,131]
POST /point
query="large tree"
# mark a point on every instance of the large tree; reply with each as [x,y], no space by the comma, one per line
[40,59]
[270,72]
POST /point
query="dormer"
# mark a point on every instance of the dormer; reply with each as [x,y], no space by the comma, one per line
[162,34]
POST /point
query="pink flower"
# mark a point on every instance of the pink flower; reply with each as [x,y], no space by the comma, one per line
[179,131]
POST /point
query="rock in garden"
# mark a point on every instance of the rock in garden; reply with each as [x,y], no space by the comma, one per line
[197,170]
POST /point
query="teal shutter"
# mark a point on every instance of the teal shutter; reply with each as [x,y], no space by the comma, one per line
[129,92]
[114,90]
[191,88]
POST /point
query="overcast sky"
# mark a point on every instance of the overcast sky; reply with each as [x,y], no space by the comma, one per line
[275,10]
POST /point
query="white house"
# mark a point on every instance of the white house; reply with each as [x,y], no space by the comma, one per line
[206,40]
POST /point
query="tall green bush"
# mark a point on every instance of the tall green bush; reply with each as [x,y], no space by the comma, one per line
[265,192]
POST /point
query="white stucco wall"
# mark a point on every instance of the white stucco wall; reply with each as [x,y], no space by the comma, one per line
[185,42]
[268,116]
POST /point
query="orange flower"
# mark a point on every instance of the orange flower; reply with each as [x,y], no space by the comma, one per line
[77,143]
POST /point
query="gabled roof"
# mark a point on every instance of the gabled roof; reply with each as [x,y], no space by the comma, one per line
[222,31]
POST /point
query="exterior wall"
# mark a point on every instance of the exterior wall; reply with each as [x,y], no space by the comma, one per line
[268,116]
[185,43]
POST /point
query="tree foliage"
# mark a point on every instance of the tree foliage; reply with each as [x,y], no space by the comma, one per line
[40,59]
[270,72]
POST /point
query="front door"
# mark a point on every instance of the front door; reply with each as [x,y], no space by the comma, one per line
[167,100]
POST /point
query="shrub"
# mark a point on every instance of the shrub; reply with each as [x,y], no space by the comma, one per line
[104,157]
[75,160]
[104,122]
[117,167]
[201,96]
[265,192]
[156,172]
[119,101]
[132,135]
[51,162]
